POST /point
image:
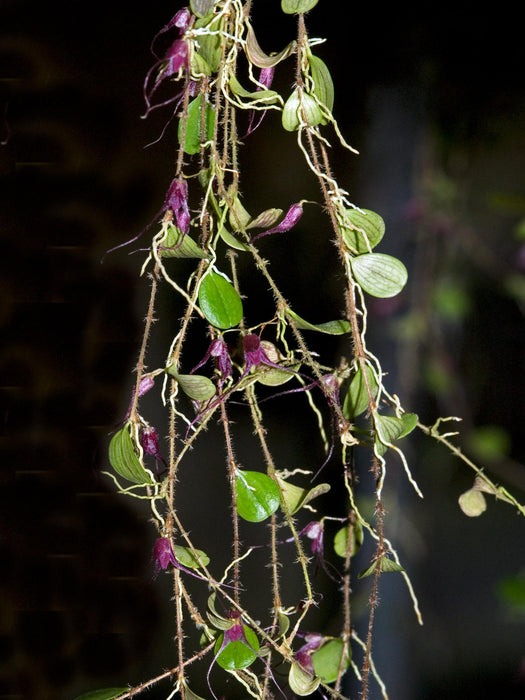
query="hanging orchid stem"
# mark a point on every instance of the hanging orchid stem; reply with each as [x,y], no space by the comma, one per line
[203,220]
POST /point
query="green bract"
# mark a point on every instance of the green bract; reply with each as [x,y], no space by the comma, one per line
[219,301]
[258,496]
[124,459]
[193,136]
[378,274]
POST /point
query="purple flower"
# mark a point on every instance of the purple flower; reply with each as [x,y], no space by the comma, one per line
[177,201]
[303,656]
[149,440]
[291,217]
[219,350]
[176,58]
[163,555]
[265,78]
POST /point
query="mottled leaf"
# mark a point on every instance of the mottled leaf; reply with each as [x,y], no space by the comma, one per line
[380,275]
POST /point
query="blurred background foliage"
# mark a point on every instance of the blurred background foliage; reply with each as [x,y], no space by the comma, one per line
[435,102]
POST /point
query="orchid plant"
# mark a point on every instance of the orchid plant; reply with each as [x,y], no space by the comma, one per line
[216,83]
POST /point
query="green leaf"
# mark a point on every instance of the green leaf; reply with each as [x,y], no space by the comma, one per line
[363,225]
[267,96]
[338,327]
[187,558]
[177,245]
[380,275]
[105,694]
[201,7]
[210,44]
[341,539]
[391,428]
[219,301]
[237,655]
[300,681]
[472,503]
[296,497]
[295,7]
[258,496]
[124,459]
[233,242]
[357,399]
[327,660]
[324,86]
[384,564]
[196,386]
[299,111]
[257,56]
[192,142]
[271,376]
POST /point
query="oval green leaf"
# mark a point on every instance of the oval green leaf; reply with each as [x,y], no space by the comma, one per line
[327,660]
[258,496]
[324,86]
[295,7]
[237,655]
[357,398]
[105,694]
[341,539]
[196,386]
[219,301]
[193,560]
[391,428]
[363,225]
[380,275]
[338,327]
[175,244]
[124,459]
[192,141]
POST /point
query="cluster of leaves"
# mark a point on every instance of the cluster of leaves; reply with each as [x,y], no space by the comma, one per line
[204,220]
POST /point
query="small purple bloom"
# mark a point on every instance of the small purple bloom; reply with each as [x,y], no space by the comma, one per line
[163,555]
[149,440]
[218,349]
[291,217]
[177,201]
[304,655]
[265,78]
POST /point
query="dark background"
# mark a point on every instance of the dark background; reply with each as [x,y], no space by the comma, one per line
[425,95]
